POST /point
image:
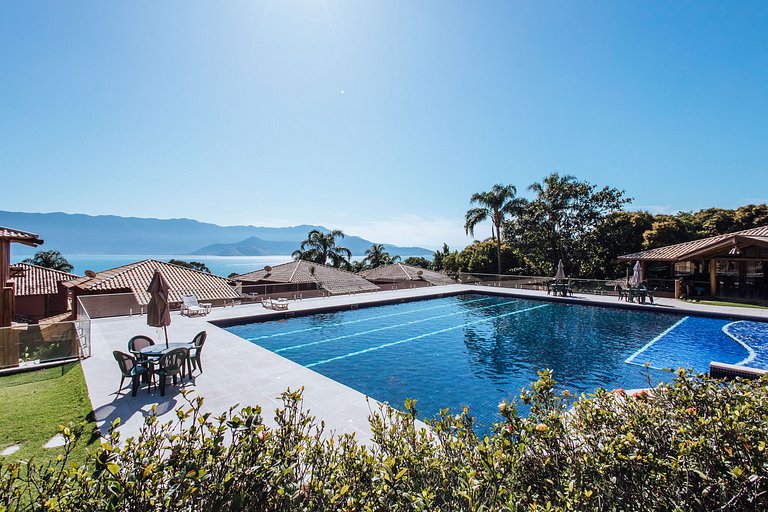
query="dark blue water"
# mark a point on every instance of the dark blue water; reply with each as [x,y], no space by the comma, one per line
[477,350]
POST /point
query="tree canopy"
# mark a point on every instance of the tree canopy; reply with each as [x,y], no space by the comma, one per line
[377,256]
[322,248]
[581,223]
[194,265]
[50,259]
[418,261]
[560,220]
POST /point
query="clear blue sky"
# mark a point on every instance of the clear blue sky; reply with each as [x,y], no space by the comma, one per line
[379,118]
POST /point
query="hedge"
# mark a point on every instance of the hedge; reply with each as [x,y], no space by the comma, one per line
[692,444]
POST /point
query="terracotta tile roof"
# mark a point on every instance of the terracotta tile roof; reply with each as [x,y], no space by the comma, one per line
[402,272]
[136,277]
[33,280]
[331,279]
[23,237]
[686,250]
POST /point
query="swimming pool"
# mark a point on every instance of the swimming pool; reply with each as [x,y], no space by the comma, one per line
[475,350]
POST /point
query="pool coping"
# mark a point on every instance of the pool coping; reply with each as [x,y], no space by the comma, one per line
[676,308]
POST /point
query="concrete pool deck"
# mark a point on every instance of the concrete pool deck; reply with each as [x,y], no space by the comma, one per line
[237,371]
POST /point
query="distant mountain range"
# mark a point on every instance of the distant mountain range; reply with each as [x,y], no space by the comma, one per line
[110,234]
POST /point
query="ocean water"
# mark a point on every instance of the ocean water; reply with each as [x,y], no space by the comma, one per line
[219,265]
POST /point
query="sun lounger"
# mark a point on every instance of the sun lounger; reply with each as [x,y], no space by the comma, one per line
[281,303]
[190,306]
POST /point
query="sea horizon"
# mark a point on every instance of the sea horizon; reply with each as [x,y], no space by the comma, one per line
[219,265]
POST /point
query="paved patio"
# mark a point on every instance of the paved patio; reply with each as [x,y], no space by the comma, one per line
[239,372]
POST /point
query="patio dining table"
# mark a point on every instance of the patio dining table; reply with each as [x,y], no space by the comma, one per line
[154,352]
[160,349]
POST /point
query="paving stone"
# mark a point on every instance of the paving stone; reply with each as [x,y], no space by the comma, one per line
[10,450]
[55,441]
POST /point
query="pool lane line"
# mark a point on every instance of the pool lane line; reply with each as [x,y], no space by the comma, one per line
[654,340]
[308,329]
[751,354]
[386,327]
[413,338]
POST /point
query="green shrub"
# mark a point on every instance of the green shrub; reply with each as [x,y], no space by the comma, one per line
[693,444]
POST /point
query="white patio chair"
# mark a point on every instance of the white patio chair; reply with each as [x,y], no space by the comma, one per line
[191,307]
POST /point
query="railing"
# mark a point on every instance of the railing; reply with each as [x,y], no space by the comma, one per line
[403,285]
[109,305]
[83,323]
[663,287]
[257,292]
[30,345]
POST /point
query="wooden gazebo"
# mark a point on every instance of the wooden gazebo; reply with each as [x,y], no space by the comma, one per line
[732,266]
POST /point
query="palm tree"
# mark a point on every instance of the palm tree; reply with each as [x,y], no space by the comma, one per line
[495,205]
[50,259]
[377,256]
[321,248]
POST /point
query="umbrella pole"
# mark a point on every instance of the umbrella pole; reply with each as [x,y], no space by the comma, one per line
[165,328]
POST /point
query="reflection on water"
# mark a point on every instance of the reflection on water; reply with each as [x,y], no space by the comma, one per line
[476,350]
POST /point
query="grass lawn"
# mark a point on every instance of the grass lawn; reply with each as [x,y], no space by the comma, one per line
[35,403]
[726,303]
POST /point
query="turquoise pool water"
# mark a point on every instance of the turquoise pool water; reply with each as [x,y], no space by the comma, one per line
[476,350]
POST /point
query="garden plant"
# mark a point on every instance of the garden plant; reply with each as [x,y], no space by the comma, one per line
[692,444]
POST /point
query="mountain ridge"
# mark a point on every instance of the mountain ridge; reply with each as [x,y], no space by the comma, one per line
[78,233]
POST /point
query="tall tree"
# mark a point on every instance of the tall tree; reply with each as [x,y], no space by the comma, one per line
[439,257]
[559,221]
[751,216]
[377,256]
[50,259]
[494,205]
[668,230]
[322,248]
[620,233]
[715,221]
[417,261]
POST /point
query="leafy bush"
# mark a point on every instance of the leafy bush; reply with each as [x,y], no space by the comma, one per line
[694,444]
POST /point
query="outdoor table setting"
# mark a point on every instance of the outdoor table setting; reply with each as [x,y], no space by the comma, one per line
[147,358]
[641,293]
[561,289]
[636,293]
[636,286]
[560,285]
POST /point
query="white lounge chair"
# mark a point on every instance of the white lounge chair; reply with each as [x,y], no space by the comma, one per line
[281,303]
[191,307]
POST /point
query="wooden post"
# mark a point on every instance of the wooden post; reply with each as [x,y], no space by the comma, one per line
[713,277]
[6,307]
[9,343]
[742,278]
